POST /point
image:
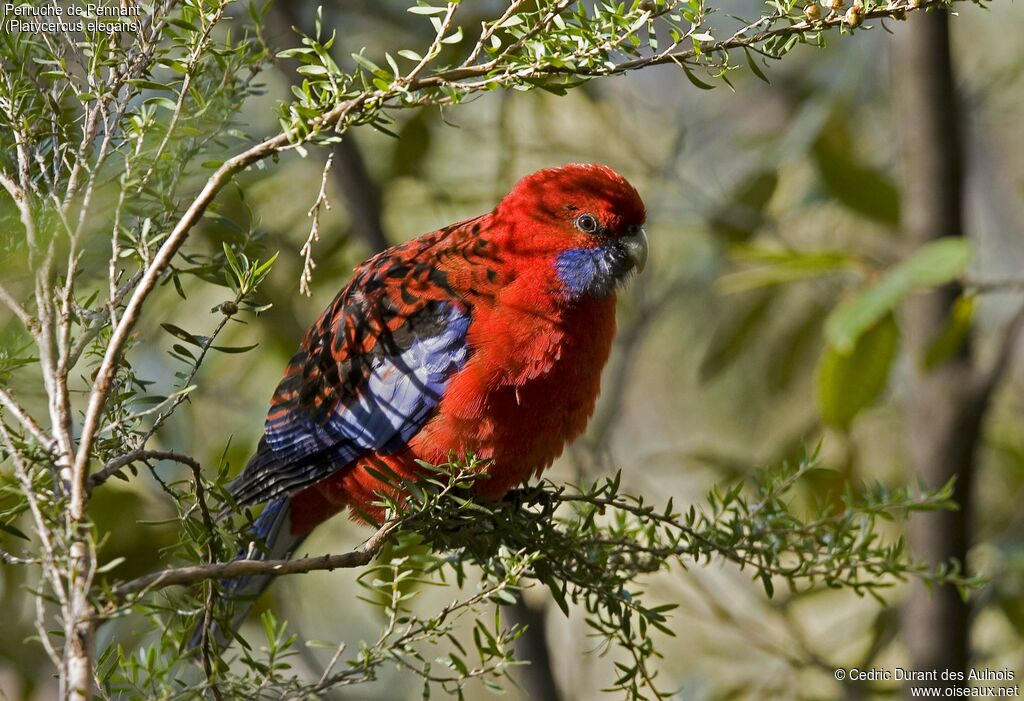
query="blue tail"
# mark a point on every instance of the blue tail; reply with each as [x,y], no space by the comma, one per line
[270,539]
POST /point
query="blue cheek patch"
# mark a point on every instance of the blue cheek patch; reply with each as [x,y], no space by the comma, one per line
[593,271]
[577,268]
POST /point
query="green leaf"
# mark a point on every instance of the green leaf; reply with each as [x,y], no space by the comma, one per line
[849,382]
[182,350]
[785,359]
[739,218]
[181,333]
[312,70]
[150,85]
[426,10]
[110,565]
[730,337]
[939,262]
[413,145]
[695,80]
[366,63]
[454,38]
[754,68]
[164,102]
[183,24]
[233,263]
[267,265]
[234,349]
[951,338]
[933,264]
[504,597]
[857,185]
[16,532]
[296,52]
[781,266]
[548,579]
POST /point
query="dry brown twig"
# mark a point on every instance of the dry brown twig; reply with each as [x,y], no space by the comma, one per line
[185,576]
[308,264]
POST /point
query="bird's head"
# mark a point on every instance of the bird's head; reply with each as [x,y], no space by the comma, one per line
[585,220]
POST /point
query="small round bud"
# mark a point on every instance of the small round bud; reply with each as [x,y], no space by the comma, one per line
[855,15]
[836,5]
[812,12]
[228,308]
[648,6]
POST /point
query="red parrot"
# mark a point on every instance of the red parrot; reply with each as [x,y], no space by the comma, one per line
[485,337]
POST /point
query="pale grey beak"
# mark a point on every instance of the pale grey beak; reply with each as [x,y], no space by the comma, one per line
[635,245]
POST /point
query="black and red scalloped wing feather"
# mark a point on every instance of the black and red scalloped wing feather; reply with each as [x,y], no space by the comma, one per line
[370,372]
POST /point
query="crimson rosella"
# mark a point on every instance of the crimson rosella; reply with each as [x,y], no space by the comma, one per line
[484,337]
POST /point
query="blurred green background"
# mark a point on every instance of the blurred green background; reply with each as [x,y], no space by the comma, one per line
[704,387]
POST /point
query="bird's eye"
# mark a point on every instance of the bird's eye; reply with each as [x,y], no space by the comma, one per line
[587,223]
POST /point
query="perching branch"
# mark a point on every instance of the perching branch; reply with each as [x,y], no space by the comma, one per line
[182,576]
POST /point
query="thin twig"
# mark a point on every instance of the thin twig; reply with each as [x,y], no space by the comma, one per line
[97,319]
[1011,284]
[42,630]
[9,559]
[182,576]
[1009,342]
[435,46]
[12,303]
[22,473]
[308,264]
[114,466]
[25,419]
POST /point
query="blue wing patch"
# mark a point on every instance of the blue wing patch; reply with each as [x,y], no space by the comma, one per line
[398,390]
[402,391]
